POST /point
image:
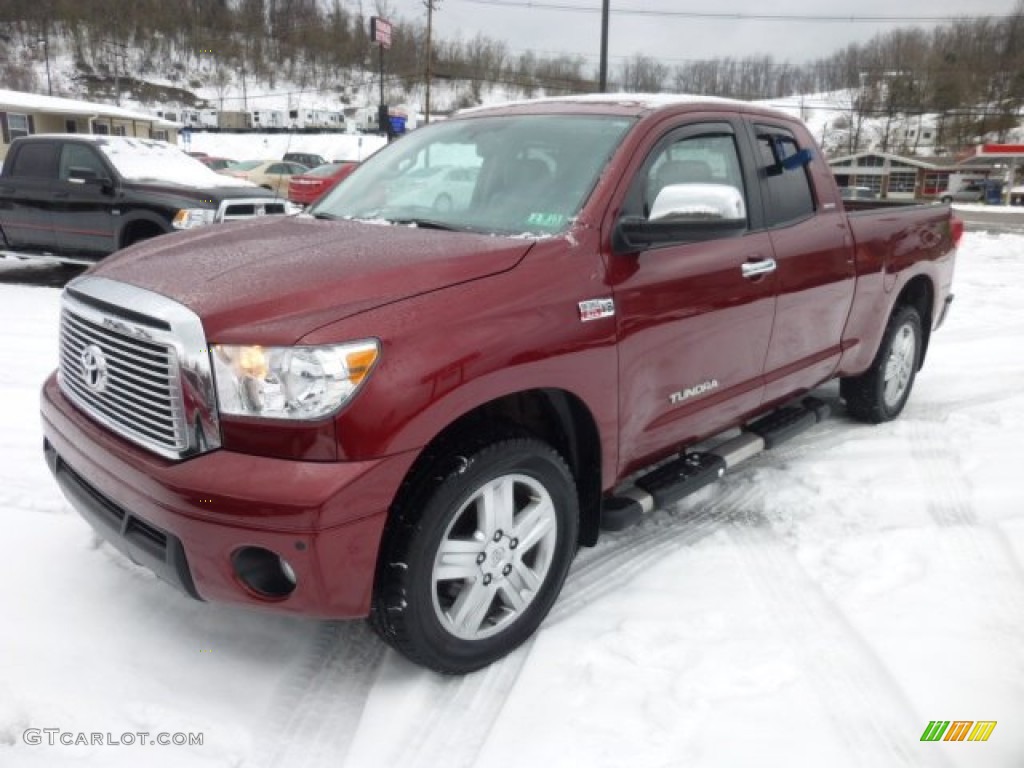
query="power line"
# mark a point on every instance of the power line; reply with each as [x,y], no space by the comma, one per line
[814,18]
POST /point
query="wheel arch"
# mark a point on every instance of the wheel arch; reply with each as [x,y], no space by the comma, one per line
[555,416]
[919,293]
[140,227]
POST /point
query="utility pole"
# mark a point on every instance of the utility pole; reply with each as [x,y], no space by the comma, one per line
[430,54]
[119,53]
[45,42]
[605,10]
[195,38]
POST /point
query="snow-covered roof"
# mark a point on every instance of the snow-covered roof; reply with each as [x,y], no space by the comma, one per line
[635,100]
[36,102]
[154,160]
[917,162]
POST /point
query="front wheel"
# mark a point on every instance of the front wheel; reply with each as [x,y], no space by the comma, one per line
[472,577]
[880,393]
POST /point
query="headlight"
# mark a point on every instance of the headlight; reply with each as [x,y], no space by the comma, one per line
[290,382]
[187,218]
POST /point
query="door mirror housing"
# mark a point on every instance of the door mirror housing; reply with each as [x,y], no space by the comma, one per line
[684,213]
[699,202]
[83,175]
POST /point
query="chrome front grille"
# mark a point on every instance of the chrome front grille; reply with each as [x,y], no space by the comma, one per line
[131,383]
[137,363]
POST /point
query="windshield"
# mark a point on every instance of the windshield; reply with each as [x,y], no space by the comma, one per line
[246,165]
[151,160]
[511,175]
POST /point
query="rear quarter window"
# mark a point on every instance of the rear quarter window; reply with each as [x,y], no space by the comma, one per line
[36,160]
[790,197]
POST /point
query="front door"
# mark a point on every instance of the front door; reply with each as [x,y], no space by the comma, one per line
[84,221]
[694,324]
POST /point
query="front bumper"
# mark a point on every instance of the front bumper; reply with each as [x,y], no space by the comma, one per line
[185,520]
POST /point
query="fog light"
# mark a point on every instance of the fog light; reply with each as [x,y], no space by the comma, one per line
[264,572]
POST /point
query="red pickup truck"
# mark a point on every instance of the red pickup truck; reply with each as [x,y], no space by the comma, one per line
[414,412]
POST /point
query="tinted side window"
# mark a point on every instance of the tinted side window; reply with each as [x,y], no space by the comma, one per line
[36,160]
[701,158]
[76,156]
[277,168]
[790,197]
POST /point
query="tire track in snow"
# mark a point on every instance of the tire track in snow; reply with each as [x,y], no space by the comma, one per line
[950,503]
[463,711]
[319,706]
[872,714]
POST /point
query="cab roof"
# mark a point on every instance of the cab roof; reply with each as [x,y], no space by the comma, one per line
[634,104]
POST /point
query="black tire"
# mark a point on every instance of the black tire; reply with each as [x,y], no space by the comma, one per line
[142,233]
[880,393]
[947,199]
[428,614]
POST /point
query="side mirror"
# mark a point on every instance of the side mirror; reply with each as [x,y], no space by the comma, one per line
[699,202]
[82,175]
[685,213]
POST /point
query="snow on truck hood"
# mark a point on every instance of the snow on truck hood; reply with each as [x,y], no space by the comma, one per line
[149,160]
[281,278]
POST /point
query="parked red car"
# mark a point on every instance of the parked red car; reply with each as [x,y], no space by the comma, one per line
[216,163]
[307,187]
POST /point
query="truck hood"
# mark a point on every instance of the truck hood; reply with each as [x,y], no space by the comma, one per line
[204,196]
[275,280]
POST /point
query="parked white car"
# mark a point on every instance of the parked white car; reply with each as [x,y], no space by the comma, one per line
[440,187]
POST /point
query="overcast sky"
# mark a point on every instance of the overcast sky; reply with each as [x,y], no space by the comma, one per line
[673,39]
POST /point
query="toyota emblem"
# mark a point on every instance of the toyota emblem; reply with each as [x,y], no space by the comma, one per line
[94,368]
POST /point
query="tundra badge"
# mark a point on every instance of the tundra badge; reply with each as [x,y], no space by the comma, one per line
[698,389]
[595,309]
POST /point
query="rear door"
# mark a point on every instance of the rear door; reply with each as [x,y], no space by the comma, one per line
[86,217]
[694,325]
[814,255]
[26,195]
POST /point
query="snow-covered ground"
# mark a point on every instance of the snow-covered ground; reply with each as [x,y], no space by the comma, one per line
[265,146]
[816,608]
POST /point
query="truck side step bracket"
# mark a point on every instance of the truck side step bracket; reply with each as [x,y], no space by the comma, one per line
[688,474]
[692,471]
[782,424]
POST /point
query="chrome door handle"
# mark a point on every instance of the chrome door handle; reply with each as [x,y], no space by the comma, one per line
[758,268]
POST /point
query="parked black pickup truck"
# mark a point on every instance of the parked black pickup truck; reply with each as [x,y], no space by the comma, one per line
[79,198]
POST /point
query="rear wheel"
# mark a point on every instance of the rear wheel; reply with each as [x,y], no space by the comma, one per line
[880,393]
[469,579]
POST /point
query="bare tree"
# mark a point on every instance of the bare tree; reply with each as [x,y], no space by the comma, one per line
[642,74]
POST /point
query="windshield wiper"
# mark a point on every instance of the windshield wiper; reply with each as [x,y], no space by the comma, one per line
[427,224]
[326,216]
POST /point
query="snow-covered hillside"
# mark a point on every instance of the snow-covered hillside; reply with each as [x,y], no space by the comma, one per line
[818,607]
